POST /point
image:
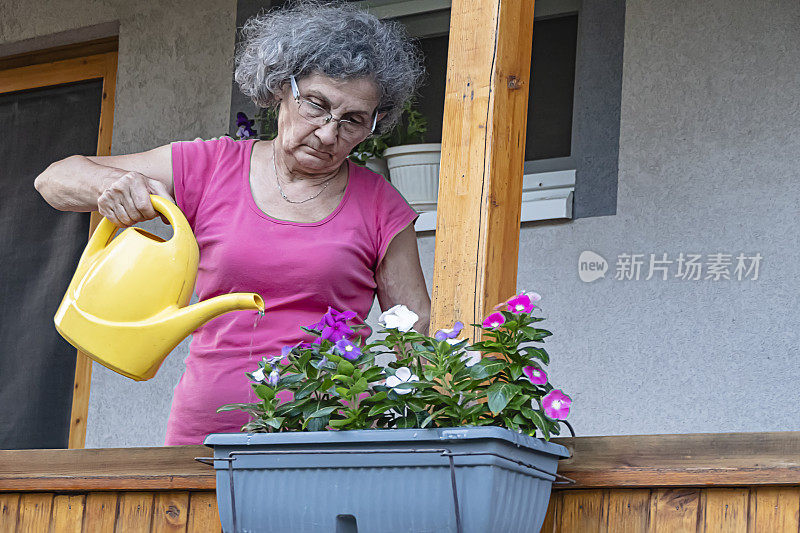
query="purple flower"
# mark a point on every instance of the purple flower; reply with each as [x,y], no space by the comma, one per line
[244,125]
[452,333]
[494,321]
[521,303]
[536,375]
[333,326]
[556,404]
[273,378]
[347,349]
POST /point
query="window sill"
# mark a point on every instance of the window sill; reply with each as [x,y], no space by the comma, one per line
[546,195]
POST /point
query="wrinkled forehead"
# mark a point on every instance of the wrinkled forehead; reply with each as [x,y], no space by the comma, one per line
[353,95]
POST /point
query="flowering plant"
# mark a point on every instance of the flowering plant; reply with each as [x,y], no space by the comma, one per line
[439,381]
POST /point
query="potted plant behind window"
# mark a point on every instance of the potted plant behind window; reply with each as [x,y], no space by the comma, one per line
[412,164]
[442,439]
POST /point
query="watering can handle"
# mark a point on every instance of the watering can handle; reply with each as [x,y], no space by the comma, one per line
[105,231]
[172,213]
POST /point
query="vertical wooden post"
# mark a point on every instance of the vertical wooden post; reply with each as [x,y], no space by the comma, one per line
[83,365]
[483,148]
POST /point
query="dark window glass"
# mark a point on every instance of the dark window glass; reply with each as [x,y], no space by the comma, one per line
[550,100]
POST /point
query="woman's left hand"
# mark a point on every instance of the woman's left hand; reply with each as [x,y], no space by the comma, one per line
[400,279]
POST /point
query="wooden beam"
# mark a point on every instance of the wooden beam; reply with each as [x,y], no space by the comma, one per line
[699,459]
[134,469]
[83,364]
[629,461]
[483,147]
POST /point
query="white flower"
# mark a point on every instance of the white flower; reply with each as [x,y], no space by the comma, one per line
[258,375]
[471,358]
[398,317]
[453,342]
[401,375]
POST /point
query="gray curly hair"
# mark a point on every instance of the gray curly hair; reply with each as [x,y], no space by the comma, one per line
[335,39]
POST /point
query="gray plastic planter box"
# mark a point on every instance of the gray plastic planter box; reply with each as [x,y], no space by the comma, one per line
[384,481]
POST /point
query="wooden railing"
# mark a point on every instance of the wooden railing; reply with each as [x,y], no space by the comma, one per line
[748,482]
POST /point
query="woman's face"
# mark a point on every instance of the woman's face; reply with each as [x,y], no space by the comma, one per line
[311,149]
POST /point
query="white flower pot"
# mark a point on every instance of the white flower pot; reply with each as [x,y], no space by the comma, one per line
[414,171]
[378,165]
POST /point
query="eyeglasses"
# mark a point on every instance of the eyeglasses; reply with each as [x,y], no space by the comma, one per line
[349,129]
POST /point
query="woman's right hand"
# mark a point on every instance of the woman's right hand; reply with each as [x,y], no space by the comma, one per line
[126,199]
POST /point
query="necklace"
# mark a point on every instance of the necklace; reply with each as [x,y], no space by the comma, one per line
[283,194]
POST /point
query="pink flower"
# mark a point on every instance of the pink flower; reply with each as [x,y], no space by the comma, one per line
[556,404]
[520,303]
[493,321]
[536,375]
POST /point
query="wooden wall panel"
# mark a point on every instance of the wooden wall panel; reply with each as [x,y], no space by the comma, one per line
[170,512]
[774,509]
[134,512]
[100,511]
[629,510]
[9,511]
[68,513]
[584,510]
[694,510]
[203,513]
[674,510]
[725,510]
[35,511]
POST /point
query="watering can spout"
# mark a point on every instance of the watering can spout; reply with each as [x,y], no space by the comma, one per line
[191,317]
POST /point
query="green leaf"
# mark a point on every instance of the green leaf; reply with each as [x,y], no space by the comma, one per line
[317,424]
[291,379]
[345,367]
[325,411]
[499,394]
[539,420]
[377,397]
[538,353]
[359,386]
[540,334]
[274,422]
[306,389]
[373,374]
[487,368]
[339,422]
[380,408]
[407,422]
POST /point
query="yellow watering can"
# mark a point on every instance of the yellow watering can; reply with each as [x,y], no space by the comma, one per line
[126,306]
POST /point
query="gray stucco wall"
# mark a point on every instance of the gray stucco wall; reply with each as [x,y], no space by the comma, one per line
[707,164]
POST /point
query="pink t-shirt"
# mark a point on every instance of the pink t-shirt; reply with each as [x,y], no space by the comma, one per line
[299,269]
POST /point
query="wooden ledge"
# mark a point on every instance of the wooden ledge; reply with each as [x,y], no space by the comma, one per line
[164,468]
[699,460]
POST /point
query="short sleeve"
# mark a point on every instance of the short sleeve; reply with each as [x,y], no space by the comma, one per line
[393,214]
[193,165]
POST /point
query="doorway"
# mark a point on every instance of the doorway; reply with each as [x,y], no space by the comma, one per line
[53,104]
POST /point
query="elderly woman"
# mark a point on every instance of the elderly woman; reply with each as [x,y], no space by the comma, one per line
[291,219]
